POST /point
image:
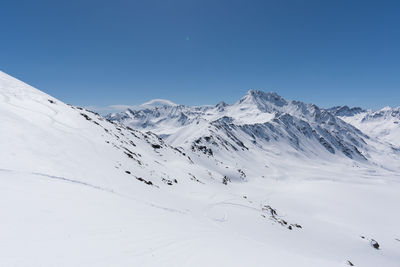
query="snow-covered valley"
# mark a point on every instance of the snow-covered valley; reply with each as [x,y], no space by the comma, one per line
[261,182]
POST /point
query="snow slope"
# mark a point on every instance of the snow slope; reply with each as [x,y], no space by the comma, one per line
[383,124]
[261,128]
[78,190]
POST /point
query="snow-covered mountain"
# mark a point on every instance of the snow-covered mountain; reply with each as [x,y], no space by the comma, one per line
[383,124]
[345,111]
[264,181]
[262,122]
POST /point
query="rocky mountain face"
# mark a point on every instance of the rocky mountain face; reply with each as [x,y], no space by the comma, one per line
[256,122]
[345,111]
[383,124]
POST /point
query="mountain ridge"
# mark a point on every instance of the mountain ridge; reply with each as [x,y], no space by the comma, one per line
[255,108]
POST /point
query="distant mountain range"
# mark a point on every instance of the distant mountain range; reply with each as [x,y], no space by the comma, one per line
[261,121]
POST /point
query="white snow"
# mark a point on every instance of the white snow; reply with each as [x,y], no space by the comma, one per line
[383,124]
[158,102]
[67,199]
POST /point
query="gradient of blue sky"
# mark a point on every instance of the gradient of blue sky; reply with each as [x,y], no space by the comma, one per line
[99,53]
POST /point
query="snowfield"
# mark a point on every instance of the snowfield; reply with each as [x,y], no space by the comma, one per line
[248,184]
[383,124]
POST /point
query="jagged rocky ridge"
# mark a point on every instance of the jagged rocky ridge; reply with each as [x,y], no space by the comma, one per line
[256,120]
[383,124]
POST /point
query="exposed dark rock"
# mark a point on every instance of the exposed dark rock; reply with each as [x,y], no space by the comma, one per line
[144,181]
[270,209]
[86,116]
[198,147]
[225,180]
[242,173]
[167,181]
[95,113]
[345,111]
[274,217]
[374,244]
[128,154]
[193,178]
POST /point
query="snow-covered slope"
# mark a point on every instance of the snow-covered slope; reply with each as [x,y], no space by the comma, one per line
[383,124]
[265,124]
[78,190]
[44,135]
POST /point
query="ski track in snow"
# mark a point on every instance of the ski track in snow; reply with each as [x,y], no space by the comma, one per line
[74,181]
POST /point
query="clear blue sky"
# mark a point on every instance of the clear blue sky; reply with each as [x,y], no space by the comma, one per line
[99,53]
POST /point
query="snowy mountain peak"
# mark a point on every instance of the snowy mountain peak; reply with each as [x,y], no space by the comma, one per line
[385,114]
[345,111]
[383,124]
[255,122]
[388,112]
[158,103]
[221,106]
[263,99]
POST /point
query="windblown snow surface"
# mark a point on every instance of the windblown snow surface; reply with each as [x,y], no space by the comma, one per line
[264,190]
